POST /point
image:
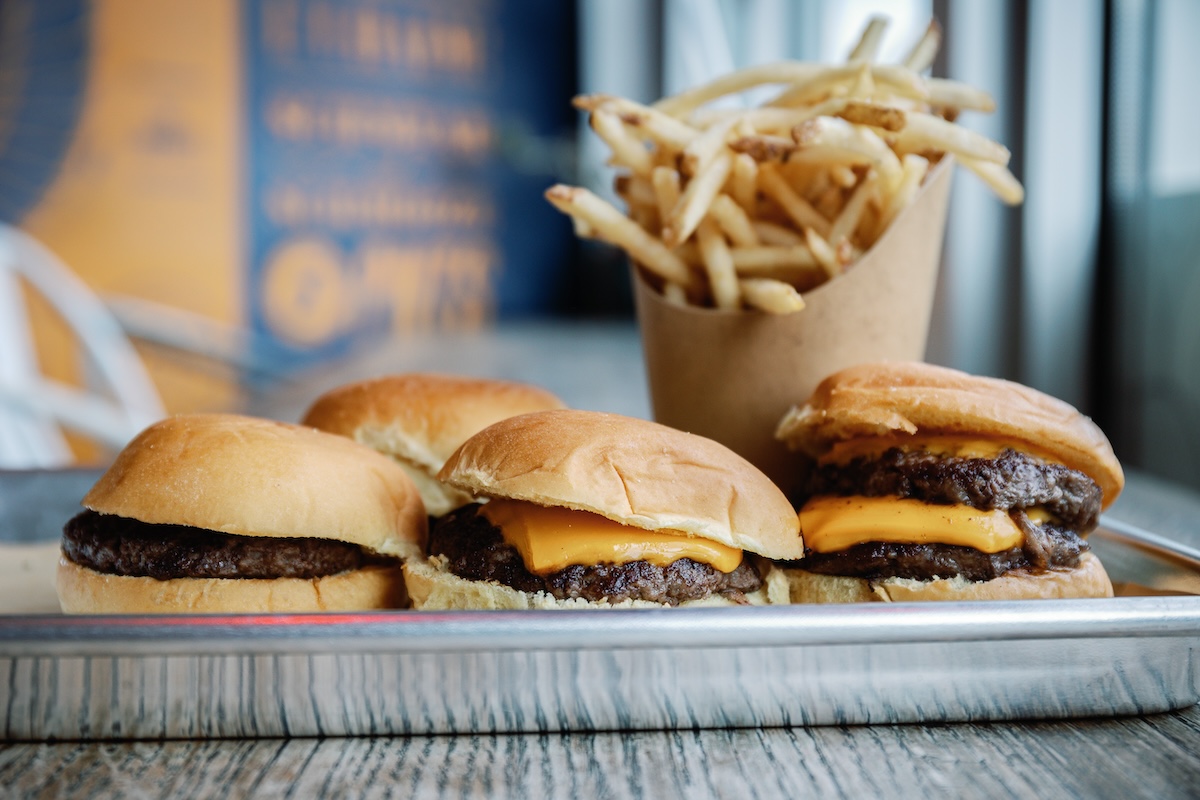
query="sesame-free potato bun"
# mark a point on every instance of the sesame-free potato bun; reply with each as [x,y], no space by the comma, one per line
[419,419]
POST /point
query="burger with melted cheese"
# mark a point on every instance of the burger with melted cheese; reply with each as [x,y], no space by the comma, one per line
[932,484]
[226,513]
[419,419]
[592,510]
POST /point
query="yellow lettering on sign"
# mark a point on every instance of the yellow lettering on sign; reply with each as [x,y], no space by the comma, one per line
[281,27]
[443,285]
[392,206]
[304,292]
[374,37]
[400,125]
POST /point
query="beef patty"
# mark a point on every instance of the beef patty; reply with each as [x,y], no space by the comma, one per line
[120,546]
[1012,482]
[476,550]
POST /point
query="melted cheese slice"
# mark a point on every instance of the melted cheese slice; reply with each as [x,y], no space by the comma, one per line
[550,539]
[942,445]
[833,524]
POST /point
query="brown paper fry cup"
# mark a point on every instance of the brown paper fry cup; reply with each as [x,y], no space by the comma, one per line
[731,375]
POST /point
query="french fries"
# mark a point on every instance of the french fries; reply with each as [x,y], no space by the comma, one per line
[771,295]
[603,221]
[749,208]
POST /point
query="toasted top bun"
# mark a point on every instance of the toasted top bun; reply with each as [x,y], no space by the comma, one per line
[257,477]
[422,418]
[633,471]
[903,398]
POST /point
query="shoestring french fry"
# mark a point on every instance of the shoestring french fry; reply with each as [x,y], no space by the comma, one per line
[822,252]
[848,219]
[768,294]
[868,44]
[696,198]
[920,57]
[770,233]
[794,73]
[701,151]
[873,114]
[644,121]
[922,132]
[764,147]
[914,170]
[743,183]
[749,208]
[665,182]
[674,294]
[718,264]
[949,94]
[772,183]
[627,150]
[843,176]
[733,221]
[763,259]
[837,133]
[831,83]
[999,179]
[607,223]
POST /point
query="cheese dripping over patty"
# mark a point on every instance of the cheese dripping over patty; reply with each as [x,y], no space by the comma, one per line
[551,538]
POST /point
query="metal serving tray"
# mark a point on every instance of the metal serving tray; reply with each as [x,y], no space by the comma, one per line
[408,672]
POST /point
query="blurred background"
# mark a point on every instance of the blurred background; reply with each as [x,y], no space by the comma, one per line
[223,194]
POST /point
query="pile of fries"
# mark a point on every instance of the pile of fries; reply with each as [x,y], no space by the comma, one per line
[750,208]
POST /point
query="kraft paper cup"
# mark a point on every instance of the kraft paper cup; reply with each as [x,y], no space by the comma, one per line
[732,375]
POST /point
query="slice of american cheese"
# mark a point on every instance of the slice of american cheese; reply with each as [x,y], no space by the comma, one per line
[551,538]
[833,524]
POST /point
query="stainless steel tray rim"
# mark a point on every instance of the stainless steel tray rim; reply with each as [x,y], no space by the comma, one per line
[891,623]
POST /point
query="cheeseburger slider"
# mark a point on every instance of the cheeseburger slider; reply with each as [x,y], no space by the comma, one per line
[931,484]
[420,419]
[594,510]
[224,513]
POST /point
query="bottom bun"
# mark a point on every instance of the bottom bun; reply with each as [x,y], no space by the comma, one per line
[84,591]
[434,588]
[1088,579]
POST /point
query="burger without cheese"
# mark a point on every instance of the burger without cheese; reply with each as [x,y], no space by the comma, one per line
[594,510]
[225,513]
[932,484]
[419,419]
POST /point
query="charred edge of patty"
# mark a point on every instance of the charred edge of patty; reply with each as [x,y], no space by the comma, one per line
[476,550]
[1012,482]
[121,546]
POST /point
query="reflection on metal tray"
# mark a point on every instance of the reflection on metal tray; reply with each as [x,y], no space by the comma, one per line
[408,672]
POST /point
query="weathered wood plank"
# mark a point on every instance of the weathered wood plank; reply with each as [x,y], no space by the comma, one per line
[1157,756]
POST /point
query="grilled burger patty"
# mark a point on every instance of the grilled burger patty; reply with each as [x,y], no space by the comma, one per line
[1012,482]
[476,550]
[121,546]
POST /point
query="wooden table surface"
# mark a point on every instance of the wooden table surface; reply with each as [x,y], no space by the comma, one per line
[1142,757]
[1154,756]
